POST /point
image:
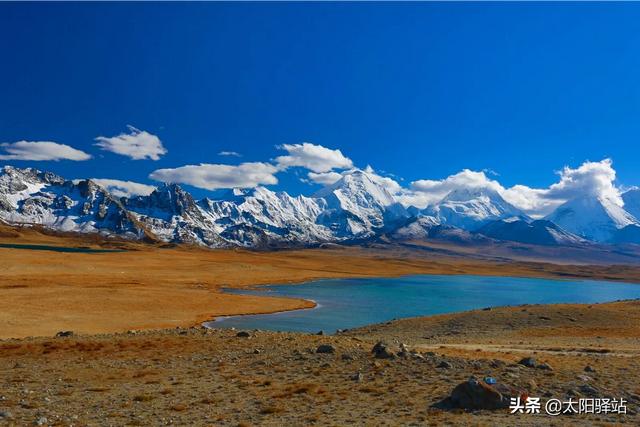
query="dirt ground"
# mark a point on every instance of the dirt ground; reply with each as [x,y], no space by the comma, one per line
[213,377]
[153,286]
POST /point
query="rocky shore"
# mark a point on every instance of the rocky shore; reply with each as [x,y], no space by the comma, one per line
[408,372]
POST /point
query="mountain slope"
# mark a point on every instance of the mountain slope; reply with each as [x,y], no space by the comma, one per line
[359,205]
[539,232]
[260,216]
[631,201]
[28,196]
[471,208]
[592,218]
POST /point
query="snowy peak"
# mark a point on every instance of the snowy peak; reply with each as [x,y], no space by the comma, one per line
[359,205]
[29,196]
[631,199]
[358,188]
[539,232]
[470,208]
[168,200]
[593,218]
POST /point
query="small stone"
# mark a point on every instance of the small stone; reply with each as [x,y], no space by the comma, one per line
[257,351]
[357,377]
[584,378]
[589,368]
[5,414]
[589,390]
[496,363]
[545,366]
[243,334]
[41,421]
[445,365]
[529,362]
[325,349]
[346,356]
[320,333]
[63,334]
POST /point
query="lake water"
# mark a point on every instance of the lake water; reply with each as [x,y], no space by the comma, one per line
[349,303]
[56,248]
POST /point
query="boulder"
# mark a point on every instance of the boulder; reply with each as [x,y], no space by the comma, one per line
[325,349]
[529,362]
[381,351]
[474,394]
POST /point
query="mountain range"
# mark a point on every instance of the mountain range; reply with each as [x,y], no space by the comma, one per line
[356,208]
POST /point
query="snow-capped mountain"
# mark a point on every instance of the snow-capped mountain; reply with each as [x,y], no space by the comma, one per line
[631,199]
[359,205]
[172,215]
[592,218]
[256,217]
[471,208]
[539,232]
[28,196]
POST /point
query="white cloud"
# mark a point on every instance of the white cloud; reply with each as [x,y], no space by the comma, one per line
[229,154]
[40,151]
[425,192]
[589,179]
[137,144]
[214,176]
[313,157]
[124,188]
[390,184]
[324,178]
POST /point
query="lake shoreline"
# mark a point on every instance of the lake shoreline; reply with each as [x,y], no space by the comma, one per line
[150,287]
[428,294]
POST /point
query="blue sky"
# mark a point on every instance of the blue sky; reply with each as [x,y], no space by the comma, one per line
[418,90]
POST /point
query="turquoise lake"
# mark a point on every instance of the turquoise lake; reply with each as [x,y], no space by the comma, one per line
[349,303]
[56,248]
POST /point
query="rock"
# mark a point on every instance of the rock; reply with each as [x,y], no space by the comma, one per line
[346,356]
[584,378]
[41,421]
[532,384]
[444,365]
[588,368]
[357,377]
[63,334]
[529,362]
[381,351]
[320,333]
[496,363]
[257,351]
[325,349]
[589,390]
[474,394]
[545,366]
[243,334]
[5,415]
[486,309]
